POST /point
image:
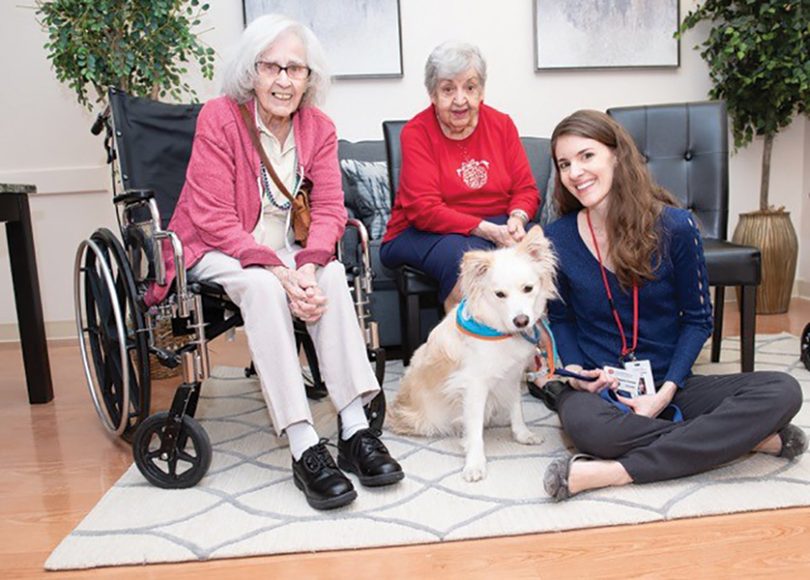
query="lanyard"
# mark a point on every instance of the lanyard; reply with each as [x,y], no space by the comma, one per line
[626,352]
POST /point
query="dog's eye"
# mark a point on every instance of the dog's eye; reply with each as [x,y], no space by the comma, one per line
[528,288]
[500,294]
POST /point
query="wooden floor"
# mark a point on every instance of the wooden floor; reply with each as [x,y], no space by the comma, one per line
[57,462]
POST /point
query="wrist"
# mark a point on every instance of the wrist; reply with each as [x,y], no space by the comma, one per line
[280,272]
[520,214]
[667,392]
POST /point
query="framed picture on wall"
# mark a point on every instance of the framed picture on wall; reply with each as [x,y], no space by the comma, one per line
[362,38]
[596,34]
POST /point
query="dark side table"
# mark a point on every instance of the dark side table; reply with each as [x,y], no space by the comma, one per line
[15,212]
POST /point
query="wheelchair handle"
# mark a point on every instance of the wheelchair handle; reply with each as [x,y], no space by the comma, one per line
[101,121]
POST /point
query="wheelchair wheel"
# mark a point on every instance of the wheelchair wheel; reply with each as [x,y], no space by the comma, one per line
[805,349]
[171,460]
[112,334]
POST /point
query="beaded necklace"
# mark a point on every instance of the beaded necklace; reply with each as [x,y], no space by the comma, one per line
[285,205]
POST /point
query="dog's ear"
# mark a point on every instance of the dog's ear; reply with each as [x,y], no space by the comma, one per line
[474,266]
[536,244]
[538,247]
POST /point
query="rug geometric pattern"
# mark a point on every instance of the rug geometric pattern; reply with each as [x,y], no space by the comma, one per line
[247,504]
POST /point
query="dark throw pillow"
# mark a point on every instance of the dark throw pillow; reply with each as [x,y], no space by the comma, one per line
[368,195]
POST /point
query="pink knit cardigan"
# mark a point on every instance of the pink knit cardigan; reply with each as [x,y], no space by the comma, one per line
[220,205]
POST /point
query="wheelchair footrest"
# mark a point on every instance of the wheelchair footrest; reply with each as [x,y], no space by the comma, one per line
[166,358]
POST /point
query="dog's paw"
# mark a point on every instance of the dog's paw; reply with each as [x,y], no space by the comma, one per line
[474,471]
[526,437]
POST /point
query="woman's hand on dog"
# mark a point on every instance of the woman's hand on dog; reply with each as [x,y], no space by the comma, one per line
[516,228]
[498,235]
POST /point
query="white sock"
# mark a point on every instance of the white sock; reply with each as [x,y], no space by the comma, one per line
[302,436]
[353,419]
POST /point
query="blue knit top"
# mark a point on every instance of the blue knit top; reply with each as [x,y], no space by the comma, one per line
[675,313]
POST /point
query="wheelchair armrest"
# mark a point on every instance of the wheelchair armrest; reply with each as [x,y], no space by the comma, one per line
[352,259]
[134,195]
[362,232]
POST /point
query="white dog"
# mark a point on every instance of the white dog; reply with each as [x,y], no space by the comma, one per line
[468,374]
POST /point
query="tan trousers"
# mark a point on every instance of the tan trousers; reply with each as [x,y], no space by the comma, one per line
[269,329]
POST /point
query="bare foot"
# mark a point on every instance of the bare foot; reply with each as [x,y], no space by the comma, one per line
[585,475]
[771,445]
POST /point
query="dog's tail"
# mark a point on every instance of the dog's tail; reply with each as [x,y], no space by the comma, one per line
[400,416]
[407,417]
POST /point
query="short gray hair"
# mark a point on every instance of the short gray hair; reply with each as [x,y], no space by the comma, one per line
[451,58]
[240,72]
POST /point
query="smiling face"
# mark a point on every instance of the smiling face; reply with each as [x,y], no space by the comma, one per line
[278,95]
[586,169]
[457,101]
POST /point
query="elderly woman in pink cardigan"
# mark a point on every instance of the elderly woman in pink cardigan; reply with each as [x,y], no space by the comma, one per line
[234,223]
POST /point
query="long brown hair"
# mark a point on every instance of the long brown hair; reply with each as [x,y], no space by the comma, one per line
[635,201]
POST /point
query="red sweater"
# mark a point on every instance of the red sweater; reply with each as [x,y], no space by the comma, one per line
[448,186]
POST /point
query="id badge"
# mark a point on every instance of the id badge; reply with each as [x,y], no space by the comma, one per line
[628,380]
[646,383]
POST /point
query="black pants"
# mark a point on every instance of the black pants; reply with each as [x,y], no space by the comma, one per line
[725,417]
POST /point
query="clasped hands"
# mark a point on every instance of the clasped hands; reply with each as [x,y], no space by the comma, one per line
[502,236]
[307,300]
[645,405]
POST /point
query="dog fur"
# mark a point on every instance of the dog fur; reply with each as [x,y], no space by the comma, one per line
[458,384]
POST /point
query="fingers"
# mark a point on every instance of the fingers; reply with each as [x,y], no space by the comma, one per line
[515,228]
[602,381]
[625,401]
[502,236]
[306,276]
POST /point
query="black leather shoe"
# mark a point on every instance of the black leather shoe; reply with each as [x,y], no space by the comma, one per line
[366,456]
[323,484]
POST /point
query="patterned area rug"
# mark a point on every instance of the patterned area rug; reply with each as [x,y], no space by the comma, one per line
[247,504]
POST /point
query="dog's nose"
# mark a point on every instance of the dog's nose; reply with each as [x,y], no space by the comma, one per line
[521,321]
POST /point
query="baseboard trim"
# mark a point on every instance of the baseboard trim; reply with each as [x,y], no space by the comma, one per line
[56,330]
[801,289]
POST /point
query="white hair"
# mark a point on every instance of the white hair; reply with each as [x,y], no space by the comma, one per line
[451,58]
[240,72]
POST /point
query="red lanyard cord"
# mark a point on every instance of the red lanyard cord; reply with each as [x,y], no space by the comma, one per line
[625,351]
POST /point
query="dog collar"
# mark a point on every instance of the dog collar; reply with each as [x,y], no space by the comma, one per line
[471,327]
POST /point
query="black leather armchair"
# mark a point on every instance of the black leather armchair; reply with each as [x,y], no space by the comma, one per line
[686,147]
[412,284]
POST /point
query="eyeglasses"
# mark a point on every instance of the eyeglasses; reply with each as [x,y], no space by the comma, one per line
[298,72]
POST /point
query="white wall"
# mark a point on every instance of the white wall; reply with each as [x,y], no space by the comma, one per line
[803,229]
[47,140]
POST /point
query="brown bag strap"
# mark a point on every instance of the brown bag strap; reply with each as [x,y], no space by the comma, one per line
[254,137]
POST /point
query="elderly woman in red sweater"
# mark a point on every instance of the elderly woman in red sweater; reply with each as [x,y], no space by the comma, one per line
[465,181]
[234,223]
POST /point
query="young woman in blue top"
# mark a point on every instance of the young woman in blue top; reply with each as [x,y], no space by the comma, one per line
[633,286]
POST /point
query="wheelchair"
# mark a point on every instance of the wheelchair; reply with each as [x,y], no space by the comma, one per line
[148,146]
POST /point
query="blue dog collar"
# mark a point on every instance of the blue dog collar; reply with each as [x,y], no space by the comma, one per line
[471,327]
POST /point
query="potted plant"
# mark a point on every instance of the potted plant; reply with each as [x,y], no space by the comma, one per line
[139,46]
[758,64]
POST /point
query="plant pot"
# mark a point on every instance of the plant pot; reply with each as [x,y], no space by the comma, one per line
[772,232]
